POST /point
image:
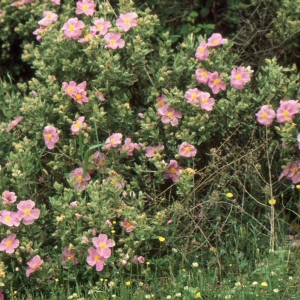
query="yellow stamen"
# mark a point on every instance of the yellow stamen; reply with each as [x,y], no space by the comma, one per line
[238,77]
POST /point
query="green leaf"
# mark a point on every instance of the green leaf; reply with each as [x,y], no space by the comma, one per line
[193,14]
[185,29]
[204,12]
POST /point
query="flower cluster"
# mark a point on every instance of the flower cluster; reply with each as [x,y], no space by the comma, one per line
[26,213]
[169,115]
[76,92]
[73,27]
[286,112]
[49,18]
[98,255]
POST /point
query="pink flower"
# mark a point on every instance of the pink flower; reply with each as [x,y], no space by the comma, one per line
[37,31]
[116,180]
[103,245]
[78,126]
[202,53]
[215,83]
[1,291]
[27,213]
[192,96]
[85,239]
[113,141]
[298,139]
[287,110]
[51,136]
[160,101]
[141,259]
[292,171]
[87,37]
[69,88]
[86,7]
[8,197]
[100,96]
[126,21]
[9,218]
[239,77]
[127,225]
[34,93]
[57,2]
[202,76]
[187,150]
[77,92]
[152,150]
[216,40]
[78,179]
[18,3]
[34,264]
[266,115]
[101,26]
[169,222]
[49,18]
[13,123]
[68,256]
[206,103]
[74,204]
[173,171]
[128,147]
[72,28]
[108,222]
[95,258]
[114,40]
[9,244]
[98,160]
[169,115]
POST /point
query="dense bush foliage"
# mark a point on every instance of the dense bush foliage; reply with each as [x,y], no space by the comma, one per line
[127,159]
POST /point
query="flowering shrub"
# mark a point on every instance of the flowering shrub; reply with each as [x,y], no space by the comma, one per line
[119,136]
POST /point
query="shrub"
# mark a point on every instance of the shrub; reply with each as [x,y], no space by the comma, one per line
[124,141]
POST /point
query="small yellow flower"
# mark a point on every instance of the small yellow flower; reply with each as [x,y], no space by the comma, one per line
[198,295]
[56,280]
[113,231]
[264,284]
[183,270]
[298,186]
[276,291]
[161,239]
[15,292]
[128,283]
[114,222]
[229,195]
[190,171]
[148,263]
[272,201]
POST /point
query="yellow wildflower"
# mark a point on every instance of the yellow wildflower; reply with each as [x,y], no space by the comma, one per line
[272,201]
